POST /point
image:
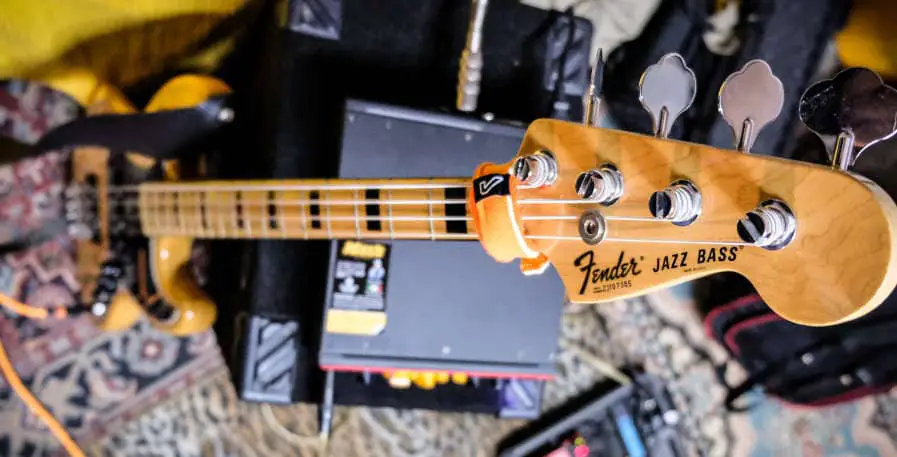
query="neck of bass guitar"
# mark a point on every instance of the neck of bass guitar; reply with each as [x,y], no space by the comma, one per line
[426,209]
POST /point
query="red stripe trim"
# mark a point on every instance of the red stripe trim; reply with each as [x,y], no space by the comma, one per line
[737,303]
[479,374]
[752,322]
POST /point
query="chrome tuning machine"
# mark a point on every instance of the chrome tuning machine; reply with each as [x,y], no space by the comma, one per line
[679,203]
[536,170]
[603,185]
[666,90]
[749,99]
[771,225]
[850,113]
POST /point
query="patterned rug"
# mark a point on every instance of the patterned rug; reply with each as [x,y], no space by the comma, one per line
[142,393]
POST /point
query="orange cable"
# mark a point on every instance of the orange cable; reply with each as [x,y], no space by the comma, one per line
[20,308]
[22,391]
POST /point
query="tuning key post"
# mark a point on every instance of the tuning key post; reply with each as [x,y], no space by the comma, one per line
[771,225]
[842,153]
[603,185]
[536,170]
[679,203]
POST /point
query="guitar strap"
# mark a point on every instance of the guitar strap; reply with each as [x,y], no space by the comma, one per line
[162,135]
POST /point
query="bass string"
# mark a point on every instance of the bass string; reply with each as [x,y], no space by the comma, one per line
[306,227]
[188,205]
[642,240]
[348,186]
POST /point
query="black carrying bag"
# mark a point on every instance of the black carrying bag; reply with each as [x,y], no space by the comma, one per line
[799,365]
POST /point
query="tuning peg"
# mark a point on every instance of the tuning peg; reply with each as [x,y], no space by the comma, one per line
[592,99]
[850,113]
[666,90]
[749,99]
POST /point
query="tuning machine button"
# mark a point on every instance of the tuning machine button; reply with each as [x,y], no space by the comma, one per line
[749,99]
[850,113]
[602,185]
[666,90]
[536,170]
[679,203]
[771,225]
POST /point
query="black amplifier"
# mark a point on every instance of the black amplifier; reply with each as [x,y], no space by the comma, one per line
[449,307]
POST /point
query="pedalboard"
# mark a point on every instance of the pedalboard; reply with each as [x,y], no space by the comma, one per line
[636,420]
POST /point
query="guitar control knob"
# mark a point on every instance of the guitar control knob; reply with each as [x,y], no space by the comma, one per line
[602,185]
[771,225]
[679,203]
[536,170]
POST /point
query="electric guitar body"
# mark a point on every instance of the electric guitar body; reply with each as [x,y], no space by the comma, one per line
[123,273]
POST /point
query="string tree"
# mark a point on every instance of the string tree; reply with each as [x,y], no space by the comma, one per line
[849,113]
[666,90]
[750,99]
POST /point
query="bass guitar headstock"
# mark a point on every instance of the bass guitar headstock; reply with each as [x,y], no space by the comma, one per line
[620,214]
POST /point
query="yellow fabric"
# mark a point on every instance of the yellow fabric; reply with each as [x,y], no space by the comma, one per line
[869,39]
[120,41]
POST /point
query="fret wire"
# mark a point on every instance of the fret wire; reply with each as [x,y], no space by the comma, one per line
[392,230]
[282,215]
[198,197]
[247,225]
[355,212]
[221,224]
[164,217]
[327,208]
[430,213]
[234,215]
[158,220]
[267,217]
[306,225]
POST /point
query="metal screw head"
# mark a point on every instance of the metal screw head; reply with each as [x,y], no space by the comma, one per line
[807,358]
[660,204]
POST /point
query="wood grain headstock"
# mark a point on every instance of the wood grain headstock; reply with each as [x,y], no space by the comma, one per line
[837,265]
